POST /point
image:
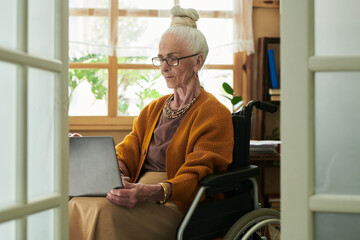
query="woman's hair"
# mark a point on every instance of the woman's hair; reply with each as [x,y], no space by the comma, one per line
[183,26]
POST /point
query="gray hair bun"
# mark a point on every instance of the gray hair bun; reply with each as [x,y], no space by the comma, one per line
[184,17]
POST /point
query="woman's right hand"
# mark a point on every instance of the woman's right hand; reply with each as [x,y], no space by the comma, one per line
[134,193]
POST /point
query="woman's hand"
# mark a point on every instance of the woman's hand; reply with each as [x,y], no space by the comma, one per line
[134,193]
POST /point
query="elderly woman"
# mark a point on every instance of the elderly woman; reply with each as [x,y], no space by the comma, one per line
[176,140]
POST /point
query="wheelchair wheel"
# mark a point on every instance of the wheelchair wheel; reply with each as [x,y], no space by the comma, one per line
[263,224]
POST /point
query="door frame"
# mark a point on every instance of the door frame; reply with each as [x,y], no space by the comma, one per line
[59,65]
[299,64]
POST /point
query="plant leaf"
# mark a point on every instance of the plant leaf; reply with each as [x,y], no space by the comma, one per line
[226,97]
[227,88]
[236,99]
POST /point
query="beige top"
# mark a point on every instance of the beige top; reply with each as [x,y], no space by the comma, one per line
[163,134]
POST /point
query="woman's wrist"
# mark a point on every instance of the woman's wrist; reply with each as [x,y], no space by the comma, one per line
[165,193]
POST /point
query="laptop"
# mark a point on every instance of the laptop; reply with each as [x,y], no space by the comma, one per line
[93,167]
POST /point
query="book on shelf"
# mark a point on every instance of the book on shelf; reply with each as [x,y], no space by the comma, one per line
[264,146]
[274,91]
[274,97]
[272,69]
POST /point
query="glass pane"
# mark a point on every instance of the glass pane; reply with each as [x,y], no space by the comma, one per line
[146,4]
[88,92]
[41,226]
[337,133]
[333,226]
[41,121]
[8,133]
[8,24]
[88,3]
[137,88]
[214,5]
[88,37]
[139,37]
[7,230]
[220,45]
[41,28]
[337,35]
[212,81]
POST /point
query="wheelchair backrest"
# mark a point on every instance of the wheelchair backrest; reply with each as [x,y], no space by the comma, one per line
[242,127]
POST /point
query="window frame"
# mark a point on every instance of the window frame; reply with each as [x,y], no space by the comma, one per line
[241,62]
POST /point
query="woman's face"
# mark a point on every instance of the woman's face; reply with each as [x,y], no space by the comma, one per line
[177,76]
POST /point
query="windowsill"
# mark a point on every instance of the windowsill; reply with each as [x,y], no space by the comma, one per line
[101,123]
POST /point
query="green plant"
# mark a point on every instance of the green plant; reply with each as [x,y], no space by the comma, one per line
[147,92]
[236,101]
[94,76]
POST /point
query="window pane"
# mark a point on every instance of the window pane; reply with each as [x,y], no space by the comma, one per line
[337,133]
[88,92]
[88,36]
[335,226]
[7,230]
[146,4]
[212,81]
[8,24]
[337,35]
[89,3]
[41,121]
[8,133]
[41,225]
[137,88]
[41,28]
[139,37]
[220,45]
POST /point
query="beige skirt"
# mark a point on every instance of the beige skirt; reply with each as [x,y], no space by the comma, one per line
[97,218]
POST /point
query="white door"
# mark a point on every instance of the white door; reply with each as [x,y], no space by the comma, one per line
[33,119]
[320,72]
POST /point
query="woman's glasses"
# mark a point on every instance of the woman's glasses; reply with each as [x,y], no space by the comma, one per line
[171,61]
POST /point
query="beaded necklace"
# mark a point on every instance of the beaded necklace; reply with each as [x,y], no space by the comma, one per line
[169,113]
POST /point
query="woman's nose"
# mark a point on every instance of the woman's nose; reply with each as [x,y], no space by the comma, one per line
[165,67]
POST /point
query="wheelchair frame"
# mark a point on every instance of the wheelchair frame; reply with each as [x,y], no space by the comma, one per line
[240,173]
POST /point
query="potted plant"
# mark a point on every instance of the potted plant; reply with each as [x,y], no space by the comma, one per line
[230,94]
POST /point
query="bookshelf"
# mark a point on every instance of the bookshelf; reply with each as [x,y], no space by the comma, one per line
[265,92]
[264,83]
[269,164]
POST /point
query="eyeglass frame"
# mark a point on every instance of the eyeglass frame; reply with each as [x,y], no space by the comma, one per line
[173,58]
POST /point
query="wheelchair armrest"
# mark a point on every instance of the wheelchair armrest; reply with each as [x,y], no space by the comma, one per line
[228,181]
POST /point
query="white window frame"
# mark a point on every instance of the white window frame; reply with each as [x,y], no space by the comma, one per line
[23,207]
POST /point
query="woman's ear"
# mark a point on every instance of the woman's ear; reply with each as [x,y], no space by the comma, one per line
[199,62]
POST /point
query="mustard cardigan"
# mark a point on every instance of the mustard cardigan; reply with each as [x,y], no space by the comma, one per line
[202,145]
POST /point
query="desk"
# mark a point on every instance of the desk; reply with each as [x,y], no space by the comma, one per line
[263,161]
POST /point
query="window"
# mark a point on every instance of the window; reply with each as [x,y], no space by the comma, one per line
[111,77]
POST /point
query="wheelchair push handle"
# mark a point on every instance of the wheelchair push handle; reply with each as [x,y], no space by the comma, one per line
[268,107]
[264,106]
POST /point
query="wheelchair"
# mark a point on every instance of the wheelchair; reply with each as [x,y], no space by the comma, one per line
[237,215]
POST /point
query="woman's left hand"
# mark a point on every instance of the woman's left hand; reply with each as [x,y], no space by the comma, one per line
[134,193]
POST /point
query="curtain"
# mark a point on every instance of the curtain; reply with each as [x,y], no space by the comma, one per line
[243,34]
